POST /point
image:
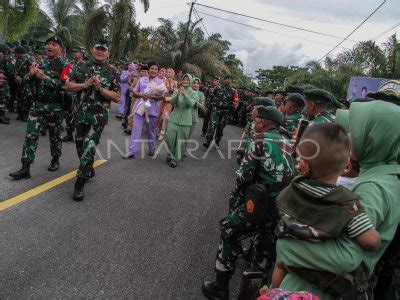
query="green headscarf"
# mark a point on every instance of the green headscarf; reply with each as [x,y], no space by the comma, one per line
[196,78]
[191,79]
[374,129]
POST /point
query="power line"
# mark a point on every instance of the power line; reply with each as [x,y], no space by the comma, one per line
[386,31]
[273,22]
[201,21]
[354,30]
[267,30]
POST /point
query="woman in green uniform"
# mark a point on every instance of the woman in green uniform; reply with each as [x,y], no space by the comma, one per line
[180,121]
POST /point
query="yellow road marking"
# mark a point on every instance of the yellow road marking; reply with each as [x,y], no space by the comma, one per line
[42,188]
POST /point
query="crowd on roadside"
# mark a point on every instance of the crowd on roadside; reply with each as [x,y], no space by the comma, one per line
[317,186]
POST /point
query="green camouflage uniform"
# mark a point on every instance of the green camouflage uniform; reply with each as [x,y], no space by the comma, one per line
[7,65]
[268,161]
[92,111]
[323,117]
[222,105]
[47,109]
[25,90]
[70,100]
[4,96]
[9,68]
[292,121]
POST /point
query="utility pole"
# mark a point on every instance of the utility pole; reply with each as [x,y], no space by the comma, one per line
[185,45]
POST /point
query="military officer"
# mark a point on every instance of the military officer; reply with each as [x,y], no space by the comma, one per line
[294,105]
[317,105]
[267,162]
[222,105]
[97,81]
[47,110]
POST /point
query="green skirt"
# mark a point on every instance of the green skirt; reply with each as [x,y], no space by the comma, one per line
[176,138]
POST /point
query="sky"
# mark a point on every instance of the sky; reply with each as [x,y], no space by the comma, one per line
[276,45]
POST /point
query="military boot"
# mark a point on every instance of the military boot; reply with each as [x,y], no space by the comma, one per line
[24,173]
[68,137]
[218,289]
[4,119]
[54,165]
[78,189]
[207,144]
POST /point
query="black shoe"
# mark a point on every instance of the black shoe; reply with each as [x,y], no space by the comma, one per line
[212,290]
[129,156]
[68,137]
[54,165]
[24,173]
[19,117]
[151,153]
[207,144]
[128,132]
[119,117]
[43,133]
[217,144]
[92,173]
[78,189]
[4,120]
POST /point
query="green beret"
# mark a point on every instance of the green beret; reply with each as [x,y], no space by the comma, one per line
[280,91]
[21,50]
[294,89]
[335,102]
[267,92]
[28,49]
[10,44]
[24,42]
[4,48]
[264,101]
[101,43]
[56,40]
[31,43]
[296,98]
[228,76]
[319,95]
[392,98]
[270,113]
[16,43]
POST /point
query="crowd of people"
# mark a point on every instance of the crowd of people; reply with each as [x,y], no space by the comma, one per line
[317,185]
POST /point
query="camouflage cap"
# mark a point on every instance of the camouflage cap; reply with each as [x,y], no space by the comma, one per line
[296,98]
[40,51]
[101,43]
[55,39]
[319,96]
[264,101]
[79,49]
[270,113]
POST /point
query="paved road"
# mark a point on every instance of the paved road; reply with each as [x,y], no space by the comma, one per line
[144,230]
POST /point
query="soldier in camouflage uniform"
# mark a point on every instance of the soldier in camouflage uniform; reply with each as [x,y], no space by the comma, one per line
[78,54]
[208,105]
[24,87]
[4,95]
[97,82]
[222,105]
[47,110]
[267,162]
[4,87]
[294,105]
[317,105]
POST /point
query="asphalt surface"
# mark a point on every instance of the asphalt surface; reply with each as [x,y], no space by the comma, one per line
[144,231]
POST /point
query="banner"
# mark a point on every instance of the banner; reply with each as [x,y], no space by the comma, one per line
[359,87]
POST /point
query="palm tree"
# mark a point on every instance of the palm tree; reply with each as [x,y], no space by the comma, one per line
[116,21]
[16,16]
[202,55]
